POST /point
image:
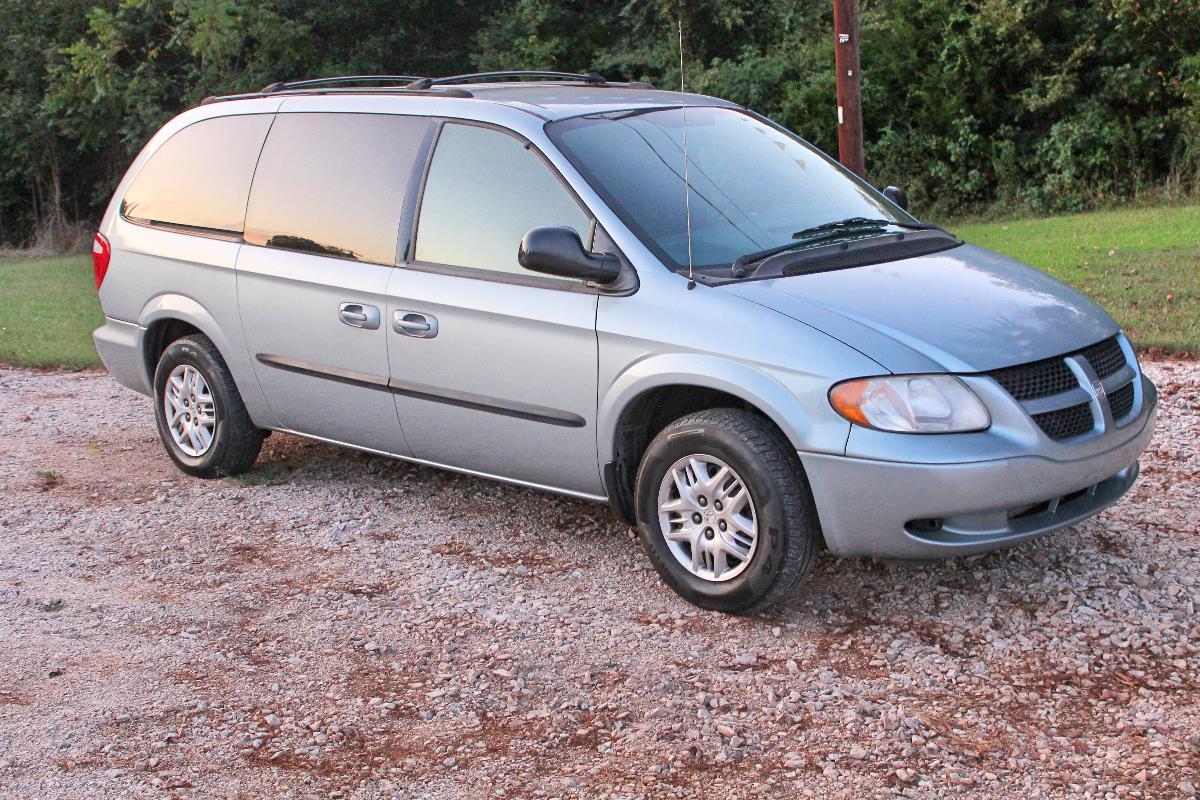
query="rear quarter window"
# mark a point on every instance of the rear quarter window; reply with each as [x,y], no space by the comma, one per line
[200,178]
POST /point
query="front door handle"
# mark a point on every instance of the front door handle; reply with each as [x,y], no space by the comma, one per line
[415,324]
[357,315]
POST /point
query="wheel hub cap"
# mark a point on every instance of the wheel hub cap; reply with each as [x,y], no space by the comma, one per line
[707,517]
[191,413]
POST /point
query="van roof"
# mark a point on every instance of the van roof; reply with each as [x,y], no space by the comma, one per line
[570,95]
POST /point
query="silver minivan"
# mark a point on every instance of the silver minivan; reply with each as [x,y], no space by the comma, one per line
[657,300]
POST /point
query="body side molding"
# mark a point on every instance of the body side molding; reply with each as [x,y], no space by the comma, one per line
[490,405]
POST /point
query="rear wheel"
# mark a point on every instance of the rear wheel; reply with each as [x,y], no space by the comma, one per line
[725,512]
[201,418]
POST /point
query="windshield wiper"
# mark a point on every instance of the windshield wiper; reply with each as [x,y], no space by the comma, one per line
[739,266]
[825,232]
[863,222]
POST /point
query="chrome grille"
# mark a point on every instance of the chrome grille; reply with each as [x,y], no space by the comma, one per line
[1052,381]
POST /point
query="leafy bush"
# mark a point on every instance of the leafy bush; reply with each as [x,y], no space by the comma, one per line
[969,104]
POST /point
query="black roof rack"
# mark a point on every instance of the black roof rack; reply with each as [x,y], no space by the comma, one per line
[400,80]
[585,77]
[275,90]
[412,84]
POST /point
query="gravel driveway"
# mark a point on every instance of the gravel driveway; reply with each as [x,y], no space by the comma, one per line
[340,625]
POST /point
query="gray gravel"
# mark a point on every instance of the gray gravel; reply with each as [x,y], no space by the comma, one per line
[339,625]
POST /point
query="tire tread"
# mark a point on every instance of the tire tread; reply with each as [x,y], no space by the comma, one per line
[243,441]
[802,537]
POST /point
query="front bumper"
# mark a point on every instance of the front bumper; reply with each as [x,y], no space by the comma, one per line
[120,347]
[892,509]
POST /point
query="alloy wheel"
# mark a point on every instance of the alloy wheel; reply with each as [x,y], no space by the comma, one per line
[191,412]
[707,516]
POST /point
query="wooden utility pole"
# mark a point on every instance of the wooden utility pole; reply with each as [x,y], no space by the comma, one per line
[849,97]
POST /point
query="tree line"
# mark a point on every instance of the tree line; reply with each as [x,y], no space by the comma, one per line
[973,106]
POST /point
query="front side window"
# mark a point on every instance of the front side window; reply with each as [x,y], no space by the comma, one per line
[484,192]
[750,185]
[334,184]
[200,177]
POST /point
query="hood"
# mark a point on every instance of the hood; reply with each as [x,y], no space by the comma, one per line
[961,310]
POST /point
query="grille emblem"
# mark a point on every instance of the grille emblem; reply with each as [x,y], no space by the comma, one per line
[1098,388]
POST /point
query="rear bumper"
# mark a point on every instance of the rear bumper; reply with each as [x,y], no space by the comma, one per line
[893,509]
[120,347]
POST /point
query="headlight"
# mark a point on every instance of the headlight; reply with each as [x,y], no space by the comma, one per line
[911,404]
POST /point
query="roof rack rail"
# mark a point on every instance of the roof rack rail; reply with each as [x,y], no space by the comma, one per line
[317,86]
[404,84]
[585,77]
[281,86]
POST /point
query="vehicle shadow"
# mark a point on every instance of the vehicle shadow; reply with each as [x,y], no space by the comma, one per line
[838,595]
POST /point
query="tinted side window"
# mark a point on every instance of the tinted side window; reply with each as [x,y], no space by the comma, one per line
[200,177]
[333,184]
[484,192]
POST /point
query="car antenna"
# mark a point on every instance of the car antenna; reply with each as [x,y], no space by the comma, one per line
[687,200]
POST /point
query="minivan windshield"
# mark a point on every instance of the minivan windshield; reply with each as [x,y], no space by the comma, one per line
[751,185]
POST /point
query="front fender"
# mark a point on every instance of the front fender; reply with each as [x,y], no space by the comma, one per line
[760,389]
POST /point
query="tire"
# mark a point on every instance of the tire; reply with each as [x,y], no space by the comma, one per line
[788,533]
[233,442]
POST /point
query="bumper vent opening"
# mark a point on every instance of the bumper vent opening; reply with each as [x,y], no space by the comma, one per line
[931,525]
[987,529]
[1050,506]
[1029,510]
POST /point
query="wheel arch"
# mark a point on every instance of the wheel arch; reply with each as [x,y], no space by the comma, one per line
[656,391]
[166,318]
[168,314]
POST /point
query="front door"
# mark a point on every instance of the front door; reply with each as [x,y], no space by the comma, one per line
[321,232]
[493,368]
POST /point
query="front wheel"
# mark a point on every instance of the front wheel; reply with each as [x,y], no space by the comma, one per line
[725,512]
[201,419]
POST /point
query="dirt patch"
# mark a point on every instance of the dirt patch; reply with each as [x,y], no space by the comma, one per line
[338,625]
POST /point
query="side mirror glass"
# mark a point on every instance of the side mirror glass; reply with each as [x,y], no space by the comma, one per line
[897,196]
[559,251]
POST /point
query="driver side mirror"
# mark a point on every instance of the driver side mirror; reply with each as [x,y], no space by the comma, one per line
[897,196]
[559,251]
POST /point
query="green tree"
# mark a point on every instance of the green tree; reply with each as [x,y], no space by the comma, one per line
[37,163]
[969,104]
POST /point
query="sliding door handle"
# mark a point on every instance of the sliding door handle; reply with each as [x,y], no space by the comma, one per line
[357,315]
[415,324]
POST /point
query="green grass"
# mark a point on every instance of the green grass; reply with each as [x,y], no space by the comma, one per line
[1141,264]
[48,310]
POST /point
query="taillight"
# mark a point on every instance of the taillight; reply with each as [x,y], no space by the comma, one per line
[101,253]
